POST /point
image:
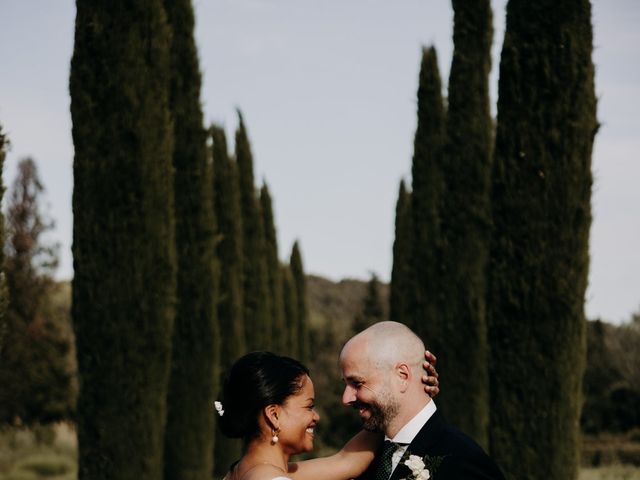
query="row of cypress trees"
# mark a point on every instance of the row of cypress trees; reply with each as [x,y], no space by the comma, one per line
[491,248]
[272,305]
[175,254]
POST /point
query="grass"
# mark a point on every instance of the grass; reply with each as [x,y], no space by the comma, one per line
[611,472]
[41,453]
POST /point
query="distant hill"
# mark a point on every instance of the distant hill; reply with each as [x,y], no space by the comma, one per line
[337,303]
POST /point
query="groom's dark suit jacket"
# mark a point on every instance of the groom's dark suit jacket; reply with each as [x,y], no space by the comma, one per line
[462,458]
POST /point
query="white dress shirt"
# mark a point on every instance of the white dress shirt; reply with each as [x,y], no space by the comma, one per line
[407,433]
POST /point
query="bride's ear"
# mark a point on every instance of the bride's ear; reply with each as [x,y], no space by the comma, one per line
[272,412]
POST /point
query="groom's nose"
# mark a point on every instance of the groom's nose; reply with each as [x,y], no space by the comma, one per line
[349,395]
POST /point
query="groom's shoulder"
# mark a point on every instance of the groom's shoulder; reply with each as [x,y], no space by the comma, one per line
[455,438]
[462,457]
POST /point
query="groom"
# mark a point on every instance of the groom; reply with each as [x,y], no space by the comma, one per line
[382,369]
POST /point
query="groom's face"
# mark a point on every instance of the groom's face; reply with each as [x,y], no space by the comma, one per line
[367,390]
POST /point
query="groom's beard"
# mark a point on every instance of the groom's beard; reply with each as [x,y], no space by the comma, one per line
[380,415]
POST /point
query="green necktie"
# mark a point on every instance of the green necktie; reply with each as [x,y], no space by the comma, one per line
[384,469]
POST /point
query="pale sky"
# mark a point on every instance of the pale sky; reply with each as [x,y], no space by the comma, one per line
[328,91]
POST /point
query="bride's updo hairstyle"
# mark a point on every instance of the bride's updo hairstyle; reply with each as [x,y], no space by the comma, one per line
[254,381]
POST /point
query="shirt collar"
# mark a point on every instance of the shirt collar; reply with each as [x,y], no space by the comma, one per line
[412,427]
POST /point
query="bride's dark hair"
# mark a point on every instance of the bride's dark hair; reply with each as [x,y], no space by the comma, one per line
[254,381]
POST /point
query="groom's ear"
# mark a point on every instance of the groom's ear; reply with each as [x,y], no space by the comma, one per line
[403,375]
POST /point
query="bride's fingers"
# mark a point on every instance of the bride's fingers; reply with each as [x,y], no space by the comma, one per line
[430,379]
[431,385]
[430,357]
[430,369]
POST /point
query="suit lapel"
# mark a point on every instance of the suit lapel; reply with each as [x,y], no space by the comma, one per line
[421,445]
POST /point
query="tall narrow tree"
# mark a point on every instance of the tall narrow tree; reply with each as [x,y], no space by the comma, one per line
[539,257]
[465,220]
[401,287]
[229,253]
[371,311]
[196,342]
[256,310]
[292,318]
[426,173]
[124,281]
[4,299]
[274,275]
[297,271]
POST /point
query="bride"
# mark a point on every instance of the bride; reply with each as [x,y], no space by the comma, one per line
[268,401]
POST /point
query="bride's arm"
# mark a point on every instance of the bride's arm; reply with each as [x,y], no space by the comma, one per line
[350,462]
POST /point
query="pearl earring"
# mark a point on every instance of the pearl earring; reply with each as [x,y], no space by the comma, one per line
[274,436]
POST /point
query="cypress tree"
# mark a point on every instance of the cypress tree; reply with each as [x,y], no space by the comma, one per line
[196,342]
[371,311]
[300,283]
[4,299]
[401,283]
[465,219]
[279,338]
[426,193]
[256,310]
[539,253]
[229,253]
[291,316]
[124,284]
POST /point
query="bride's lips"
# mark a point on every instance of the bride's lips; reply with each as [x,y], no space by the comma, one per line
[310,430]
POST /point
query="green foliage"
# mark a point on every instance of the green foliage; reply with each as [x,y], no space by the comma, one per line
[36,369]
[371,311]
[464,225]
[274,276]
[256,305]
[401,281]
[124,286]
[539,251]
[291,315]
[426,173]
[299,281]
[611,385]
[196,342]
[229,249]
[229,253]
[4,298]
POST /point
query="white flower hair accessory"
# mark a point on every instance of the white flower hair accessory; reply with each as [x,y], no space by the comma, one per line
[219,408]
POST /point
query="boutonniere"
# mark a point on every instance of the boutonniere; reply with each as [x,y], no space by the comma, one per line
[421,467]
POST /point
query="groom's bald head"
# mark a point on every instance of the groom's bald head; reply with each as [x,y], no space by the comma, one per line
[385,344]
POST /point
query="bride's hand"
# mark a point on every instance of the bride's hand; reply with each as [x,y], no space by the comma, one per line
[430,379]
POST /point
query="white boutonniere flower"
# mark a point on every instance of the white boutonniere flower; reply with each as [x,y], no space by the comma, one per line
[419,470]
[421,467]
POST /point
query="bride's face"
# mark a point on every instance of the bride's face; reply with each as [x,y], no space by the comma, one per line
[298,419]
